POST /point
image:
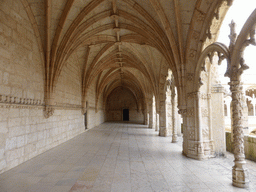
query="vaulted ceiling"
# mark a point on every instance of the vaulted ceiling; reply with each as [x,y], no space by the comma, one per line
[130,43]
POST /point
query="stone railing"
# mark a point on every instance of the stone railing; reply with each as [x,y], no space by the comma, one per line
[249,146]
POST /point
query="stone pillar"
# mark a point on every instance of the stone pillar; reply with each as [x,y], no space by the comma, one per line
[145,117]
[199,139]
[178,122]
[183,112]
[162,117]
[217,119]
[150,115]
[174,125]
[240,177]
[148,119]
[157,121]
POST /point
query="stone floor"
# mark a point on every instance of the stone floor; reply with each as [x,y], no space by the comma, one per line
[121,157]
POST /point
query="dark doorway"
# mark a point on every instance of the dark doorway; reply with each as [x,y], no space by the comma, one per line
[126,115]
[85,120]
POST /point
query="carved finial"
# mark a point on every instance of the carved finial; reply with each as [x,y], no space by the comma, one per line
[243,66]
[221,57]
[233,34]
[209,33]
[252,37]
[229,2]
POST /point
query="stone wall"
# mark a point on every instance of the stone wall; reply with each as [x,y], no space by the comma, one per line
[24,131]
[249,146]
[123,99]
[21,69]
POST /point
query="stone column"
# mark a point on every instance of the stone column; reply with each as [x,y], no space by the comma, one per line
[183,112]
[145,117]
[200,145]
[162,117]
[240,177]
[216,109]
[174,125]
[150,115]
[157,121]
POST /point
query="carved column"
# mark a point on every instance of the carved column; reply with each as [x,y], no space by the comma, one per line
[174,126]
[240,176]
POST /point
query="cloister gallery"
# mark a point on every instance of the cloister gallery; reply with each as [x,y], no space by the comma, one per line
[71,65]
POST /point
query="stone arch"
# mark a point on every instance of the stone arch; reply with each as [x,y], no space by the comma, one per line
[235,68]
[200,110]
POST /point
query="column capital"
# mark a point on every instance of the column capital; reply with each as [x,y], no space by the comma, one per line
[235,86]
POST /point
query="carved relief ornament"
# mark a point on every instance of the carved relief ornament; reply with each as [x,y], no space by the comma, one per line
[205,112]
[48,111]
[190,112]
[190,76]
[182,112]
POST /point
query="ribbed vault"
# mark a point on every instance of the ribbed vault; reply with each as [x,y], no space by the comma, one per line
[123,43]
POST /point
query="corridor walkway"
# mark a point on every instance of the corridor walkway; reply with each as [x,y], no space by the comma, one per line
[121,157]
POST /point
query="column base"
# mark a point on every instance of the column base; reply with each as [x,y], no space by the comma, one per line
[174,139]
[163,132]
[240,176]
[197,156]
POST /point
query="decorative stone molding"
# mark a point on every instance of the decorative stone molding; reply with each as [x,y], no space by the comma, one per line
[205,132]
[204,112]
[205,96]
[182,112]
[26,103]
[190,112]
[67,106]
[192,54]
[191,133]
[19,106]
[190,76]
[191,145]
[200,16]
[191,95]
[83,110]
[196,35]
[17,100]
[199,148]
[217,89]
[48,111]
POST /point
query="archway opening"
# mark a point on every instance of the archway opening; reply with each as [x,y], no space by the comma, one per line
[122,105]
